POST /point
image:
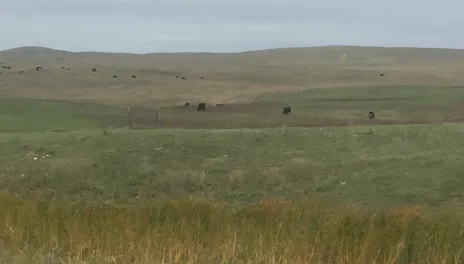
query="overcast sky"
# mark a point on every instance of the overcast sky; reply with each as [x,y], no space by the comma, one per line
[142,26]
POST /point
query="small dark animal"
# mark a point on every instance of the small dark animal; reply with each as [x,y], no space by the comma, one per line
[94,70]
[202,77]
[201,107]
[3,67]
[371,115]
[68,69]
[177,76]
[21,72]
[287,110]
[62,68]
[187,104]
[381,74]
[38,68]
[115,76]
[8,67]
[183,78]
[219,104]
[133,76]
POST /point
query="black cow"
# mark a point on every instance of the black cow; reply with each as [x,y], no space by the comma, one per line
[38,68]
[287,110]
[183,78]
[8,67]
[381,74]
[187,104]
[202,77]
[177,76]
[94,70]
[201,107]
[133,76]
[62,68]
[115,76]
[371,115]
[21,72]
[220,105]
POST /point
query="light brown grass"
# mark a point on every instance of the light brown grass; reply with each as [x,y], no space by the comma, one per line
[193,231]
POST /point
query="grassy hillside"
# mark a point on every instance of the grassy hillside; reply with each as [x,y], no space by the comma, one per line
[227,77]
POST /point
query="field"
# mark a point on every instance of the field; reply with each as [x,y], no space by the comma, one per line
[239,183]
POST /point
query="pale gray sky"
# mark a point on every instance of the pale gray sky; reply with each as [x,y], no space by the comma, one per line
[142,26]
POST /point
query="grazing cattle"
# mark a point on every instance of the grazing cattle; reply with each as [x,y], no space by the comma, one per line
[68,69]
[115,76]
[219,104]
[202,77]
[21,72]
[133,76]
[381,74]
[371,115]
[94,70]
[3,67]
[177,76]
[38,68]
[187,104]
[201,107]
[62,68]
[287,110]
[183,78]
[8,67]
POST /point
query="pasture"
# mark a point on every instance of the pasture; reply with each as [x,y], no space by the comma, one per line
[238,183]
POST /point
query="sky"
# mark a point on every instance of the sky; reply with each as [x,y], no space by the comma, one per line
[144,26]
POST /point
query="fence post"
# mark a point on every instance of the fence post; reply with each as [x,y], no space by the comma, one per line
[129,117]
[156,118]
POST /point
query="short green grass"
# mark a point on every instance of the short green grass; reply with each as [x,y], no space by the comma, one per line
[378,166]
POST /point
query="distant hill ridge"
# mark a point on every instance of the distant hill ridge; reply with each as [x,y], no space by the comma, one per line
[38,49]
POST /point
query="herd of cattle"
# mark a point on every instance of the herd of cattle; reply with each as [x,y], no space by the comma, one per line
[201,106]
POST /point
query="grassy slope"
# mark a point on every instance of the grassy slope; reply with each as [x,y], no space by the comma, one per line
[228,77]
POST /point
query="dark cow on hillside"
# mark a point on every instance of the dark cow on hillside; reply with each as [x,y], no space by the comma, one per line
[21,72]
[201,107]
[202,77]
[94,70]
[183,78]
[134,77]
[219,104]
[177,76]
[38,68]
[187,104]
[115,76]
[381,74]
[62,68]
[8,67]
[287,110]
[371,115]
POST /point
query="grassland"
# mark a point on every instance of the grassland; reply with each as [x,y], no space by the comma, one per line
[243,184]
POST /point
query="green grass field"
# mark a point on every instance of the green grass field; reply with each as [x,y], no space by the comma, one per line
[240,183]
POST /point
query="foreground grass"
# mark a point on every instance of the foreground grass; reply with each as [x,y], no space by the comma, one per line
[193,231]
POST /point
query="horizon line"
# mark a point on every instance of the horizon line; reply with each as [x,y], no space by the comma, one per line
[236,52]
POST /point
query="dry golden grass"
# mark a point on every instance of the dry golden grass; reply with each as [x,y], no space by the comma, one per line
[227,77]
[193,231]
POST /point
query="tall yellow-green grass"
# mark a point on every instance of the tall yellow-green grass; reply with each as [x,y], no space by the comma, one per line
[194,231]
